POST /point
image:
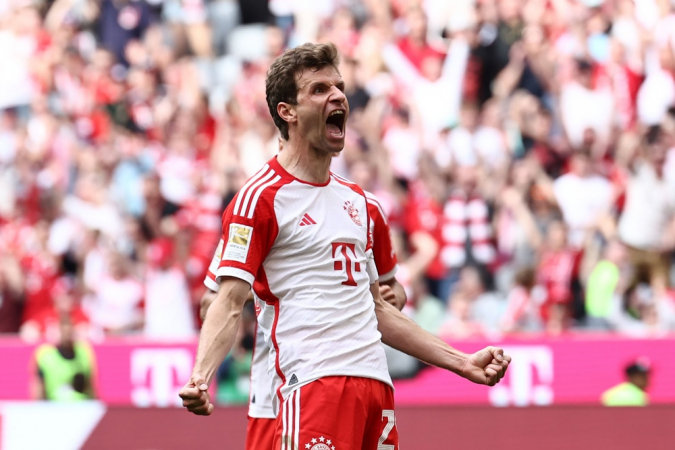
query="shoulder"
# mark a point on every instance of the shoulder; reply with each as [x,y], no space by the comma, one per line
[85,349]
[42,351]
[348,183]
[562,180]
[601,183]
[374,206]
[258,192]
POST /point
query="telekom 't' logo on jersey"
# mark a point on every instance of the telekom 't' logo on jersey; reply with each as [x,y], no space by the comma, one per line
[343,260]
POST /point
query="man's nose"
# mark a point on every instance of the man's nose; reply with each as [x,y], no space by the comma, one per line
[337,96]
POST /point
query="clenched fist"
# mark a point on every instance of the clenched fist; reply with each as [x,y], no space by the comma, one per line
[487,366]
[195,395]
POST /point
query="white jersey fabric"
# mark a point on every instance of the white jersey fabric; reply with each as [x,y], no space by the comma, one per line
[260,404]
[306,251]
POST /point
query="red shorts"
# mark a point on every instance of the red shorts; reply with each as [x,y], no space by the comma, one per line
[260,433]
[338,413]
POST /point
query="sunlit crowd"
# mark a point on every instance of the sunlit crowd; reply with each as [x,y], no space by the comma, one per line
[523,151]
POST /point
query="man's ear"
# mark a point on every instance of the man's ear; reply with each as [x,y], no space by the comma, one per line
[287,112]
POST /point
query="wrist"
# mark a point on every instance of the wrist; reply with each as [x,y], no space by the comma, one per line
[456,362]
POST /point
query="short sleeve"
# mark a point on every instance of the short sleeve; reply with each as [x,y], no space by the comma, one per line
[210,279]
[371,269]
[383,250]
[249,230]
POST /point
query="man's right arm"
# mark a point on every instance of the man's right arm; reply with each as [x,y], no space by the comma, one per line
[486,366]
[215,342]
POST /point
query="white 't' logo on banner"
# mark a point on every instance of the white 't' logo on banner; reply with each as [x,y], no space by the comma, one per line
[522,389]
[155,374]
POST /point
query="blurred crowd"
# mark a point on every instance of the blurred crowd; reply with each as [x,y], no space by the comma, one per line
[523,150]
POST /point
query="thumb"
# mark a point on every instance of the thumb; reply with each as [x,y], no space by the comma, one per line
[199,382]
[497,353]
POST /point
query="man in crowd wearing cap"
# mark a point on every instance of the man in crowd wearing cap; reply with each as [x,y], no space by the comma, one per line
[632,392]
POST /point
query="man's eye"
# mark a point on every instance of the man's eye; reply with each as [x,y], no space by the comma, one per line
[318,90]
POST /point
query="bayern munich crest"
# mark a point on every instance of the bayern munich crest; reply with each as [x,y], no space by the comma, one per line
[353,212]
[320,444]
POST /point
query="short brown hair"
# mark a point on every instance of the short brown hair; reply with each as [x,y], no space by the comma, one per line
[280,83]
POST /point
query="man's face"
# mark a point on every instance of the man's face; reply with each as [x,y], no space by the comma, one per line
[581,165]
[641,380]
[322,109]
[658,153]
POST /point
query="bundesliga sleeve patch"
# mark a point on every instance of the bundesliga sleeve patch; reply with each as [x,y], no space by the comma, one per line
[238,243]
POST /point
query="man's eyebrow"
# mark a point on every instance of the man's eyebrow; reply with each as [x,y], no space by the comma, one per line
[317,83]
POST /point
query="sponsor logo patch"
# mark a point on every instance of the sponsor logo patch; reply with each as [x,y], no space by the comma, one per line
[238,243]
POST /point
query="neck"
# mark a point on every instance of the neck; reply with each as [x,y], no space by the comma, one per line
[305,162]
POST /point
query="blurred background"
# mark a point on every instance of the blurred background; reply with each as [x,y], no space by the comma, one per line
[523,151]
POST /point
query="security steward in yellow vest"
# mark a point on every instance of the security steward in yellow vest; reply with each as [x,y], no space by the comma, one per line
[65,370]
[632,392]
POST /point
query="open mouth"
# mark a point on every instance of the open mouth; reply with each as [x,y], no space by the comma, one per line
[335,124]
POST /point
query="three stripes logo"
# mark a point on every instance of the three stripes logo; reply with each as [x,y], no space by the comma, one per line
[248,196]
[307,220]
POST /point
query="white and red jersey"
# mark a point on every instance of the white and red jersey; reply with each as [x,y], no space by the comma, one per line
[260,400]
[383,250]
[306,251]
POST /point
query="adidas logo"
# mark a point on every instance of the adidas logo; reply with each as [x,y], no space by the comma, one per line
[253,399]
[306,220]
[293,380]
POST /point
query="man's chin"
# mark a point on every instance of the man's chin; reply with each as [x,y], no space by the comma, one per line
[333,148]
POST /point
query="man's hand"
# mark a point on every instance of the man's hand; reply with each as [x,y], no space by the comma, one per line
[195,395]
[486,366]
[387,294]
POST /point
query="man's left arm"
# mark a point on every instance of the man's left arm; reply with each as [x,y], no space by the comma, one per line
[393,293]
[486,366]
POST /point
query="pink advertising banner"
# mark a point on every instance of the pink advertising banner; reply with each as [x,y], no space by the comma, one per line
[544,371]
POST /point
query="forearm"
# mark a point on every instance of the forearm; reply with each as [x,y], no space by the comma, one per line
[401,333]
[218,331]
[526,219]
[400,66]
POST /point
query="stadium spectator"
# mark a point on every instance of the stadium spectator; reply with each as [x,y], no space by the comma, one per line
[524,303]
[122,122]
[556,273]
[485,306]
[632,392]
[11,294]
[458,323]
[647,223]
[583,197]
[605,286]
[115,306]
[65,304]
[65,370]
[167,308]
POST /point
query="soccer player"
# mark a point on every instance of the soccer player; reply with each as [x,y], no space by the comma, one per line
[315,284]
[261,417]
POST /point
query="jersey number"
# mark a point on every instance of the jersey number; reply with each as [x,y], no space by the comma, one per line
[391,422]
[342,261]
